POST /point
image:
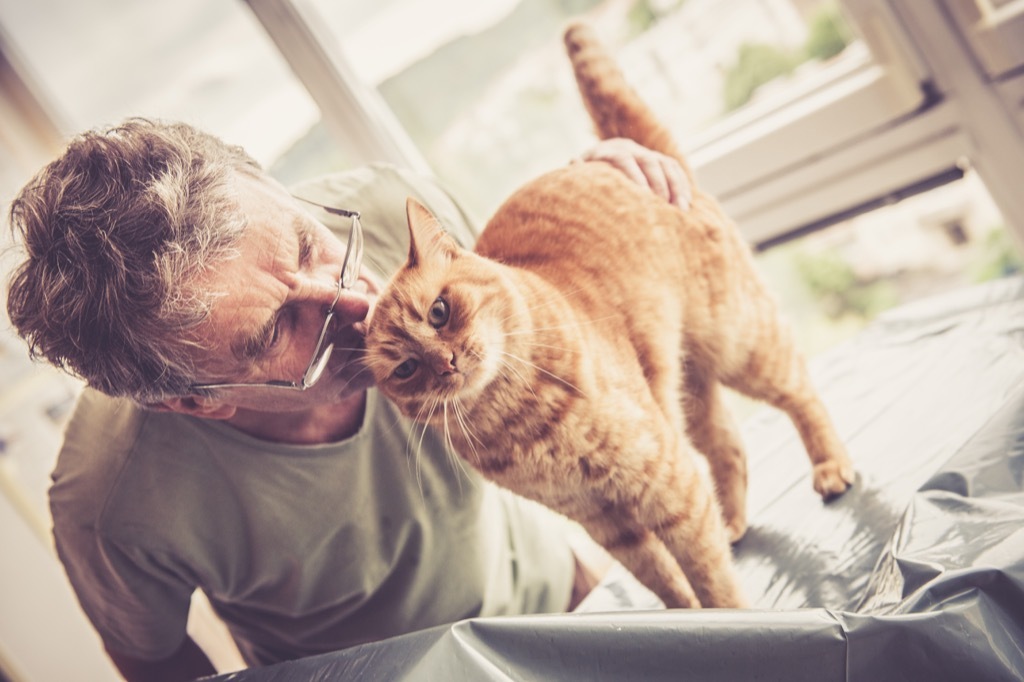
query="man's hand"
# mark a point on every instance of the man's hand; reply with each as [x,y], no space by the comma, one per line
[646,167]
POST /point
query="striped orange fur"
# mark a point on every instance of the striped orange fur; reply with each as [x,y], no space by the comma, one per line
[576,357]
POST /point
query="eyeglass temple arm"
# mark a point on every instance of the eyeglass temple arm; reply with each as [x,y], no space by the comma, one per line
[330,209]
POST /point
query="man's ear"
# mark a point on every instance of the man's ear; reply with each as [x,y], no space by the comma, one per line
[204,407]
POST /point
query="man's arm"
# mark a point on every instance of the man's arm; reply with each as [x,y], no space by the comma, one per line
[187,663]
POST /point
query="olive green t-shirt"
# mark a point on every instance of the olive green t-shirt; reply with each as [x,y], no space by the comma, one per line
[300,549]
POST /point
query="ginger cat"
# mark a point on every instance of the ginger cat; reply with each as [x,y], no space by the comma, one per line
[576,357]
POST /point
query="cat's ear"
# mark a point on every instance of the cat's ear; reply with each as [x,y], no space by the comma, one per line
[426,236]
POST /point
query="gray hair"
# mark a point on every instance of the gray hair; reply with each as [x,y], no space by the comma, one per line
[115,232]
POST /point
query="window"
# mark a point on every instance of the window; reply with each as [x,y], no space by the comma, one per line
[994,29]
[797,115]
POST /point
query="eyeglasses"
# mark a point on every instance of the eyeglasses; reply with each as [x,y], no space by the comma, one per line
[322,351]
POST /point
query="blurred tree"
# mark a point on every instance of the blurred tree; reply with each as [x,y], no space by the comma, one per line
[641,17]
[828,34]
[643,14]
[998,257]
[839,291]
[756,64]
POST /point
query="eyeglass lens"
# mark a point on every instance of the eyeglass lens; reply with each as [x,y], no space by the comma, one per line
[349,276]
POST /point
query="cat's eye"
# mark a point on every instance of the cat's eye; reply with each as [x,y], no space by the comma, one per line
[438,314]
[406,369]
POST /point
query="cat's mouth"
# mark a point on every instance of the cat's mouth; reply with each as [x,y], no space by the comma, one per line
[450,385]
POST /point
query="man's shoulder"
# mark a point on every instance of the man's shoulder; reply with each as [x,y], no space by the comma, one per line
[101,442]
[375,186]
[99,435]
[379,192]
[96,416]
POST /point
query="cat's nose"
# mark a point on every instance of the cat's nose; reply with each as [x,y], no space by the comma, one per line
[443,363]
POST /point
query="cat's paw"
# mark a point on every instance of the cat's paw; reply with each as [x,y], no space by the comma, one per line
[735,530]
[832,479]
[734,516]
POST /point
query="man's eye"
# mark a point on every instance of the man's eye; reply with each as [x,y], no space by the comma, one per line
[275,335]
[438,313]
[406,369]
[281,332]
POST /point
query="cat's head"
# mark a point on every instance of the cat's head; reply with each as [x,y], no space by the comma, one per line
[436,330]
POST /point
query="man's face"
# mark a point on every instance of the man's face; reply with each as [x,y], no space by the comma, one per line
[274,298]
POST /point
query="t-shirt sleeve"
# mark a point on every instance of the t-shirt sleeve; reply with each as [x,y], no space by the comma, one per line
[137,599]
[134,599]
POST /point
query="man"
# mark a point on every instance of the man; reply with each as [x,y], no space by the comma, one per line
[229,439]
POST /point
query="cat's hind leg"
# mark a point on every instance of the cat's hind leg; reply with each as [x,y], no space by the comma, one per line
[774,371]
[713,432]
[642,553]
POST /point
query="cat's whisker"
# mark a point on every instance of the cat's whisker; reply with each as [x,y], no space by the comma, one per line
[447,434]
[518,375]
[543,303]
[353,378]
[471,438]
[454,457]
[544,371]
[547,345]
[505,364]
[423,433]
[377,267]
[412,453]
[458,459]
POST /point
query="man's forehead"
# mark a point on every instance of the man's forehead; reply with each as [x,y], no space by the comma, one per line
[242,311]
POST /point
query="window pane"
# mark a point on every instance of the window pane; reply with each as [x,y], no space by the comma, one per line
[207,63]
[832,283]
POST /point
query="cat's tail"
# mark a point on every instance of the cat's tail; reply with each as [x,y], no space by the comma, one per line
[615,108]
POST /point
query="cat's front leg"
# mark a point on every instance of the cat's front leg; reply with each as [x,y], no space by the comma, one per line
[677,505]
[642,553]
[713,432]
